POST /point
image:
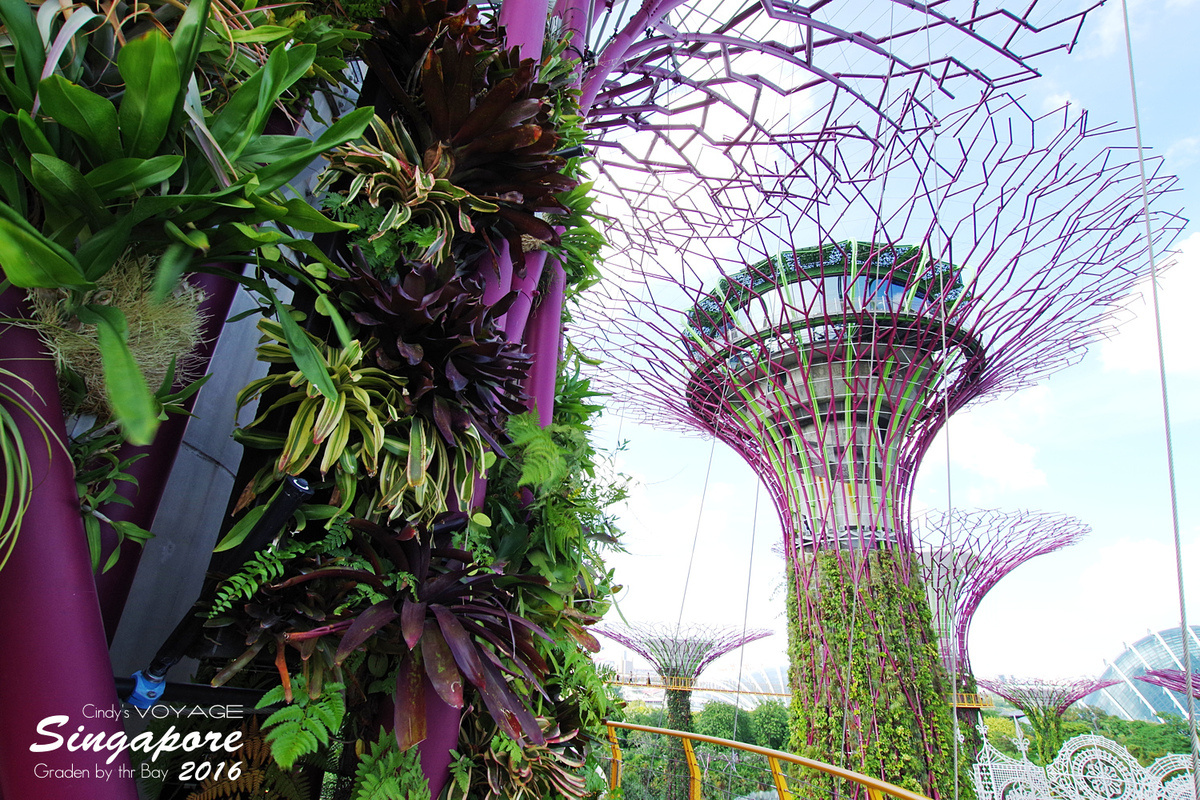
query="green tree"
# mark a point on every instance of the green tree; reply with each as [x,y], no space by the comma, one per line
[769,723]
[1145,741]
[718,719]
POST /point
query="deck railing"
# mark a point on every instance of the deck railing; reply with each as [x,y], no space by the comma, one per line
[725,769]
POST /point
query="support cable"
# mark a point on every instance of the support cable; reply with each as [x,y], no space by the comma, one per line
[696,535]
[941,310]
[737,698]
[1190,692]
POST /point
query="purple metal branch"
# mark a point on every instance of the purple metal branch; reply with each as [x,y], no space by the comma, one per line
[963,554]
[742,80]
[1174,680]
[680,652]
[1038,695]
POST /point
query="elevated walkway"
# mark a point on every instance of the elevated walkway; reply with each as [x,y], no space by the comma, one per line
[656,762]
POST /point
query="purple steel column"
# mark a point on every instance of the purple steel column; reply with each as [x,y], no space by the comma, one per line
[153,471]
[56,659]
[515,320]
[542,337]
[524,24]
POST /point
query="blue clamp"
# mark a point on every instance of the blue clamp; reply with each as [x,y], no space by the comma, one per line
[147,690]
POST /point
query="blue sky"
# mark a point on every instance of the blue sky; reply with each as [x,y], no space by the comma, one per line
[1088,442]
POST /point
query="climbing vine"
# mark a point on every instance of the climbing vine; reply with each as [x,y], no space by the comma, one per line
[868,689]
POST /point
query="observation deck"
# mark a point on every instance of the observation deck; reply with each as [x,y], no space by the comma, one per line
[824,361]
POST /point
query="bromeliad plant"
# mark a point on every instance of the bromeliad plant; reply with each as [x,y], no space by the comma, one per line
[417,209]
[440,335]
[380,609]
[365,439]
[471,115]
[451,620]
[492,766]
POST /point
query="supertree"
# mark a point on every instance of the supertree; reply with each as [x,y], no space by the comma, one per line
[679,653]
[964,553]
[830,343]
[1044,702]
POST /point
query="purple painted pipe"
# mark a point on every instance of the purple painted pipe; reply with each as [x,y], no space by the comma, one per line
[650,13]
[574,16]
[55,662]
[442,721]
[518,314]
[153,471]
[543,336]
[497,274]
[524,24]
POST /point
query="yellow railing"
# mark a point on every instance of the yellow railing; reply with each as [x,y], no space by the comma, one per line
[964,700]
[876,789]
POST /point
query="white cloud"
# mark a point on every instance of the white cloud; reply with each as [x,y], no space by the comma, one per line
[1055,101]
[1134,349]
[1183,153]
[992,451]
[1107,32]
[1069,612]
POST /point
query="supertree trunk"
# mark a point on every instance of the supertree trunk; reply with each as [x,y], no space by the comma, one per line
[679,718]
[868,690]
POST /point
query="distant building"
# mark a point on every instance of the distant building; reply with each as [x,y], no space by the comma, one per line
[1134,699]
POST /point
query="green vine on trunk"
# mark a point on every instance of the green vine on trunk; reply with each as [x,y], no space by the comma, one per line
[868,688]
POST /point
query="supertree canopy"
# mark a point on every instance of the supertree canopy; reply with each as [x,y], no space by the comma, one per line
[1044,703]
[829,344]
[1175,680]
[964,553]
[705,114]
[679,654]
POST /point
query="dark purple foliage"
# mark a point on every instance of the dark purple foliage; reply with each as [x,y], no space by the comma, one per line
[443,339]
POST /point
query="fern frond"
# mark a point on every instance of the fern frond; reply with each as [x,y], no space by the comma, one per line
[386,773]
[266,566]
[259,777]
[542,462]
[305,725]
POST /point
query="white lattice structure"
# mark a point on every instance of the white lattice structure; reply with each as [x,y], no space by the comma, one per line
[1086,768]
